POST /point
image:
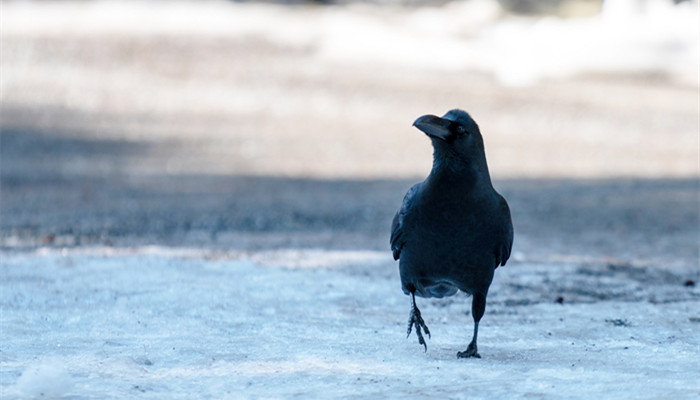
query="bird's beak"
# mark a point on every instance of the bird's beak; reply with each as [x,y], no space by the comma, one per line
[434,126]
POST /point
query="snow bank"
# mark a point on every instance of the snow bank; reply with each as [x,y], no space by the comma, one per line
[158,325]
[629,36]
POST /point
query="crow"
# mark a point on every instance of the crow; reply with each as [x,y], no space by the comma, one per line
[453,229]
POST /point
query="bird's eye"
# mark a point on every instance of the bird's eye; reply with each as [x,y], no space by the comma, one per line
[461,130]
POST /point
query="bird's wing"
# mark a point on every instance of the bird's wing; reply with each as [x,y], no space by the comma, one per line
[397,234]
[507,244]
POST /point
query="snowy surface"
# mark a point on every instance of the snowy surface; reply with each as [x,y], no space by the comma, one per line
[653,36]
[157,323]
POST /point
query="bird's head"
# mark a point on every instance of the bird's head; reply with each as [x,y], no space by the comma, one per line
[455,136]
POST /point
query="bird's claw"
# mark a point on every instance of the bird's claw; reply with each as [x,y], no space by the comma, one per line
[470,352]
[416,319]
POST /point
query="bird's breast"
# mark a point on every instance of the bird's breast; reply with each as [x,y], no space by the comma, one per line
[457,238]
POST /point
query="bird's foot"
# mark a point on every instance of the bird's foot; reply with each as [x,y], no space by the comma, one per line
[469,352]
[417,320]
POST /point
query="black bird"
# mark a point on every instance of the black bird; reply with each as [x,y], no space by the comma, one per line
[453,229]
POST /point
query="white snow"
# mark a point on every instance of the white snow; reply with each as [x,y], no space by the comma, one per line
[48,380]
[154,323]
[629,36]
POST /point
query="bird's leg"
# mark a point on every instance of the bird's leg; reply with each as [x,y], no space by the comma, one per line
[417,320]
[478,308]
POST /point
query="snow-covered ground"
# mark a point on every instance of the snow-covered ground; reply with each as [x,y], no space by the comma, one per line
[628,36]
[157,323]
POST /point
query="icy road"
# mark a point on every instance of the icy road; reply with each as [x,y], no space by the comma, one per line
[155,323]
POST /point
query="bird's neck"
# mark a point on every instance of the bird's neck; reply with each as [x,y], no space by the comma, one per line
[456,171]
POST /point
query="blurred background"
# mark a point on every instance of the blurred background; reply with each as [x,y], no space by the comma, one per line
[242,126]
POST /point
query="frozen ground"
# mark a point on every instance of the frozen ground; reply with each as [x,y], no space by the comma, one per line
[157,323]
